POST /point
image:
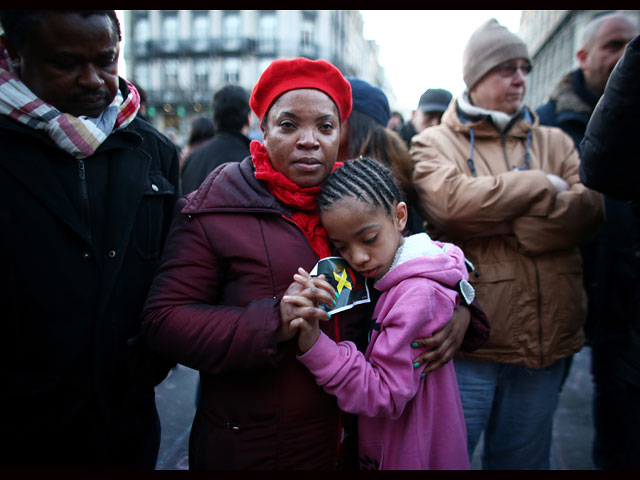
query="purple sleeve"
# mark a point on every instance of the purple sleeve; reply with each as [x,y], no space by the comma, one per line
[383,383]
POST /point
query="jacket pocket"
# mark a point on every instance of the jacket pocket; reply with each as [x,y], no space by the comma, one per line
[567,298]
[150,221]
[498,294]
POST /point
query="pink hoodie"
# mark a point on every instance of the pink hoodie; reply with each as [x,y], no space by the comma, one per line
[405,421]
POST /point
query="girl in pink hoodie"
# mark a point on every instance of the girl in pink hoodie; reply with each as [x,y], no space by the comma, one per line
[406,420]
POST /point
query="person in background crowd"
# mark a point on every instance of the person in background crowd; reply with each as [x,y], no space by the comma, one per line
[200,132]
[234,246]
[396,122]
[232,121]
[573,99]
[365,134]
[570,106]
[431,106]
[506,190]
[86,194]
[611,164]
[405,421]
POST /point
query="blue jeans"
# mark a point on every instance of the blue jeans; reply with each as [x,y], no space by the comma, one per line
[514,407]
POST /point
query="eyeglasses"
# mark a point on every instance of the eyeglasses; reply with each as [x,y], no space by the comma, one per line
[509,69]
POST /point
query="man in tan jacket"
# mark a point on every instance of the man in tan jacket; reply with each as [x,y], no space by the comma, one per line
[506,190]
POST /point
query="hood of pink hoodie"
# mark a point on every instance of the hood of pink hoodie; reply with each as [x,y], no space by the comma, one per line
[422,257]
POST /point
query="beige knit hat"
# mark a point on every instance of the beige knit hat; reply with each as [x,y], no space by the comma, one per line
[489,46]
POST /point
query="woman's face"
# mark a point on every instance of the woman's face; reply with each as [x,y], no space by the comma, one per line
[302,136]
[500,90]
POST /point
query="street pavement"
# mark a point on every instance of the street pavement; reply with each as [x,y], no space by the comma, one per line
[572,434]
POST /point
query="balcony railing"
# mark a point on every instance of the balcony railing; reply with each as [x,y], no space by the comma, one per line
[217,46]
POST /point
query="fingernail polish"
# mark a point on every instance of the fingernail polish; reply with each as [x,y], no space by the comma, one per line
[423,375]
[329,315]
[416,365]
[337,295]
[414,344]
[335,302]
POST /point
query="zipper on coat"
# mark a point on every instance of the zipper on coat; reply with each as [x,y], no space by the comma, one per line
[504,150]
[82,171]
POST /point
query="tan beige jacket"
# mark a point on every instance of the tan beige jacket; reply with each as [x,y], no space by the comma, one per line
[519,233]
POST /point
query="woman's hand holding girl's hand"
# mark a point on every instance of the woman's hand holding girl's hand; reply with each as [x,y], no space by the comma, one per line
[299,309]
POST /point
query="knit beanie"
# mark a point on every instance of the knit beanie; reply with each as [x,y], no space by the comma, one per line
[489,46]
[370,100]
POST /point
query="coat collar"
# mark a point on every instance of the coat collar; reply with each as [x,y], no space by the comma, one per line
[482,126]
[231,187]
[32,167]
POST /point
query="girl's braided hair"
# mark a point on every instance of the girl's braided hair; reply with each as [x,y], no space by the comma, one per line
[363,178]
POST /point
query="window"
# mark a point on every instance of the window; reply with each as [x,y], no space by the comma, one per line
[267,31]
[171,74]
[170,26]
[141,74]
[231,70]
[170,31]
[307,34]
[201,75]
[142,30]
[231,30]
[200,26]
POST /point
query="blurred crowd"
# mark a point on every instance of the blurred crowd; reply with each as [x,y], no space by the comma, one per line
[495,239]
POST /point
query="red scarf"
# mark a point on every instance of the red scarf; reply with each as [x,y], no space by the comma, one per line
[303,199]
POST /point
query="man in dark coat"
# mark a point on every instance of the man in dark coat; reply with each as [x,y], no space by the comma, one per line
[86,194]
[232,121]
[570,105]
[611,165]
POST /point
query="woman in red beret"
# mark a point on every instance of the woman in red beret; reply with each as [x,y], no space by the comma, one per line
[229,258]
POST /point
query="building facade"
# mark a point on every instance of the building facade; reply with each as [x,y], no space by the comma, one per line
[181,57]
[552,37]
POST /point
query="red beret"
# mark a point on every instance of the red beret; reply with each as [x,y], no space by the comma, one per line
[283,75]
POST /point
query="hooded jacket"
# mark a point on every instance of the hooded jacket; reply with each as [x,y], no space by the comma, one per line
[214,306]
[405,421]
[488,192]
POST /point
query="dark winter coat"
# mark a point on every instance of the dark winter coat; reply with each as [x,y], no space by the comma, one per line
[73,279]
[223,147]
[611,164]
[569,107]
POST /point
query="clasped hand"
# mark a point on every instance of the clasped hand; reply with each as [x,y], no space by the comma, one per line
[300,313]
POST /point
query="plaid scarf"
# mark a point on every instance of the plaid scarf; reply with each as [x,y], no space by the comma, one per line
[303,199]
[79,136]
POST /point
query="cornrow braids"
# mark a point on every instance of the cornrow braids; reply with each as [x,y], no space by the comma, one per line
[364,178]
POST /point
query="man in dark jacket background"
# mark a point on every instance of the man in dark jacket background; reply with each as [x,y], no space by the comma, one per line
[606,255]
[86,194]
[232,121]
[611,165]
[573,99]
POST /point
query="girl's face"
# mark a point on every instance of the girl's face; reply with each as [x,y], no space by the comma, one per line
[367,237]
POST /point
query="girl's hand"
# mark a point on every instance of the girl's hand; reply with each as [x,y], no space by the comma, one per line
[444,343]
[309,292]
